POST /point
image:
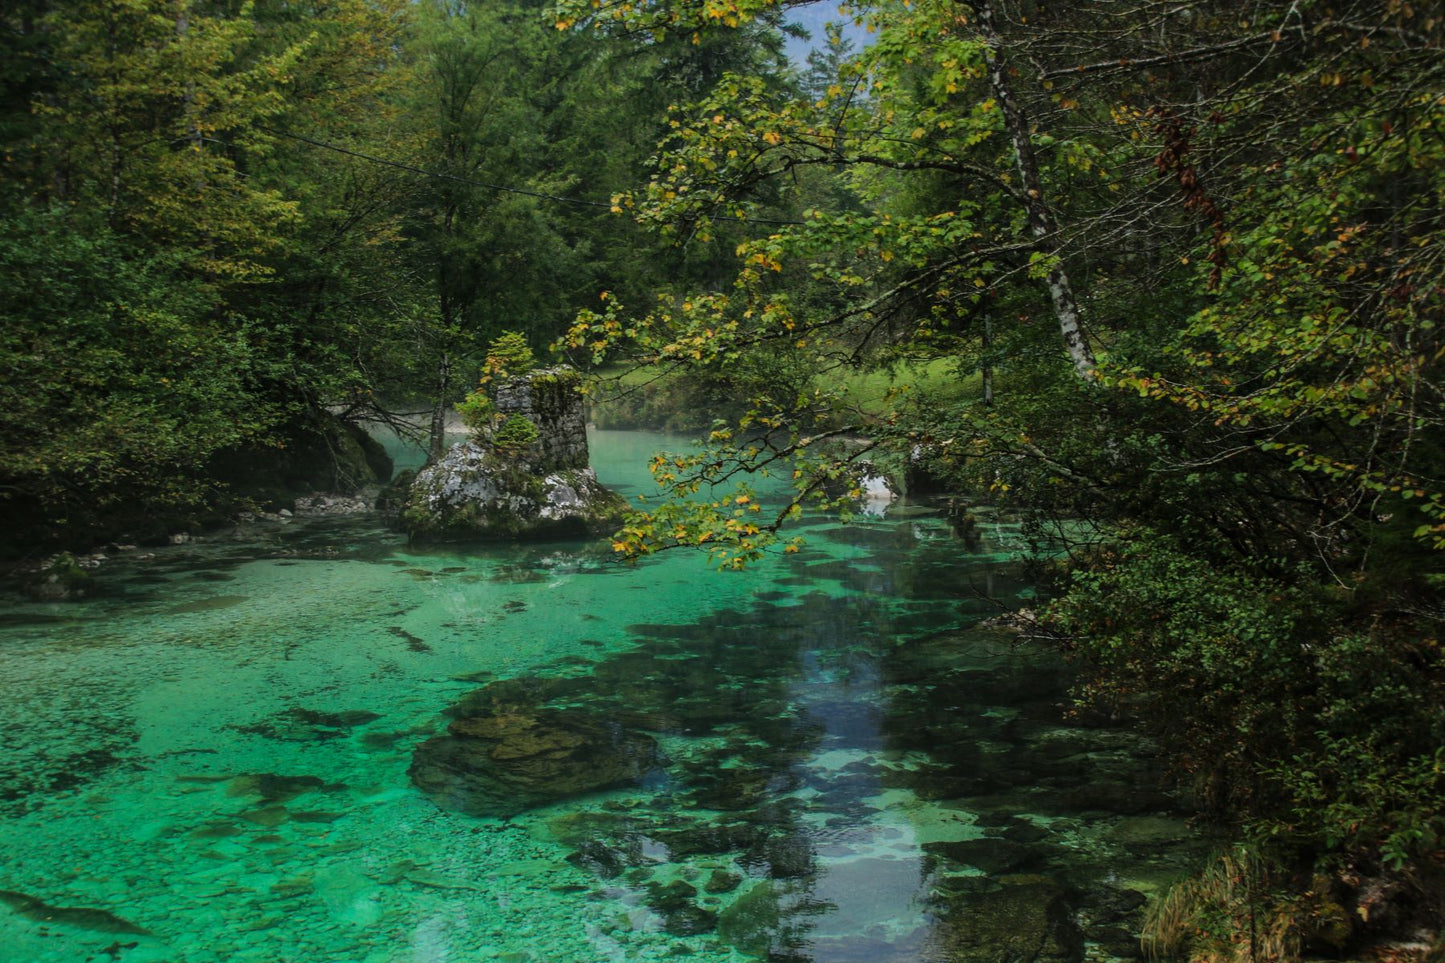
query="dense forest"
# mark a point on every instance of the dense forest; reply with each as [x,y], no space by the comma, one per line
[1165,275]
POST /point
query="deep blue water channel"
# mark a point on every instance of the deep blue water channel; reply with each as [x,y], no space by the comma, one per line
[822,759]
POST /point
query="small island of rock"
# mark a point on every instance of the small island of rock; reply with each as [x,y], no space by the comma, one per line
[524,474]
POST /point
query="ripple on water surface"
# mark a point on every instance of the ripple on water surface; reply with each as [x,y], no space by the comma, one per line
[315,743]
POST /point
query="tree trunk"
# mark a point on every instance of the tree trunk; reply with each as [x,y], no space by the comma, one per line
[436,440]
[987,364]
[1041,220]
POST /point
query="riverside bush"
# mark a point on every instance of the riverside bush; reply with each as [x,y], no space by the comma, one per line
[516,433]
[1314,724]
[477,411]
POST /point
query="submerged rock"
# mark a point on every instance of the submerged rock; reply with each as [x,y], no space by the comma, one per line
[676,904]
[84,917]
[308,725]
[751,923]
[770,921]
[61,579]
[600,859]
[990,854]
[1112,918]
[783,857]
[274,788]
[722,881]
[502,764]
[1028,920]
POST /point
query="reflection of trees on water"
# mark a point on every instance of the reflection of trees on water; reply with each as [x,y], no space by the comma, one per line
[1052,812]
[760,697]
[730,683]
[810,749]
[717,841]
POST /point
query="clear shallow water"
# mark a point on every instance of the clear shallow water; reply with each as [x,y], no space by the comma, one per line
[211,761]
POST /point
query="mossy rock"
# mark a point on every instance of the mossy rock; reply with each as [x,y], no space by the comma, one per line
[392,499]
[504,763]
[1027,920]
[476,493]
[751,924]
[317,452]
[677,904]
[60,580]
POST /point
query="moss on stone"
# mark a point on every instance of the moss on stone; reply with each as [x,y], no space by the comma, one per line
[516,433]
[316,452]
[61,580]
[476,493]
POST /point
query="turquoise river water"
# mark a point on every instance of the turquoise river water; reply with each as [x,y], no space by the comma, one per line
[823,759]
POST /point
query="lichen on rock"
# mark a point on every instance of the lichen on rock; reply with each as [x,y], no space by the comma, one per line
[474,492]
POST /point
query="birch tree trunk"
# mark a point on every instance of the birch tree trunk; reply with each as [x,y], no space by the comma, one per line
[1040,219]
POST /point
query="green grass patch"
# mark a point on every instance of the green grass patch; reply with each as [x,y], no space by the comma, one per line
[874,393]
[626,397]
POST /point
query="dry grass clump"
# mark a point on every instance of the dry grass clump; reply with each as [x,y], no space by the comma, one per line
[1234,912]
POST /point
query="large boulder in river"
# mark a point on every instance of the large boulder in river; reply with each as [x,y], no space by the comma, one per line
[476,491]
[516,758]
[527,476]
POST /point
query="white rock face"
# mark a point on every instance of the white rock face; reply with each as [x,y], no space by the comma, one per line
[475,492]
[562,498]
[878,493]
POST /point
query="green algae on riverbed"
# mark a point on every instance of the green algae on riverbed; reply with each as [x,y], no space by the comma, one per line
[840,764]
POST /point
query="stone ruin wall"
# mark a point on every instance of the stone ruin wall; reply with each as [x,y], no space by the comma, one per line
[551,400]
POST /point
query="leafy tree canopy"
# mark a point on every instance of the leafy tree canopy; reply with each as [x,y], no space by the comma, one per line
[1185,261]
